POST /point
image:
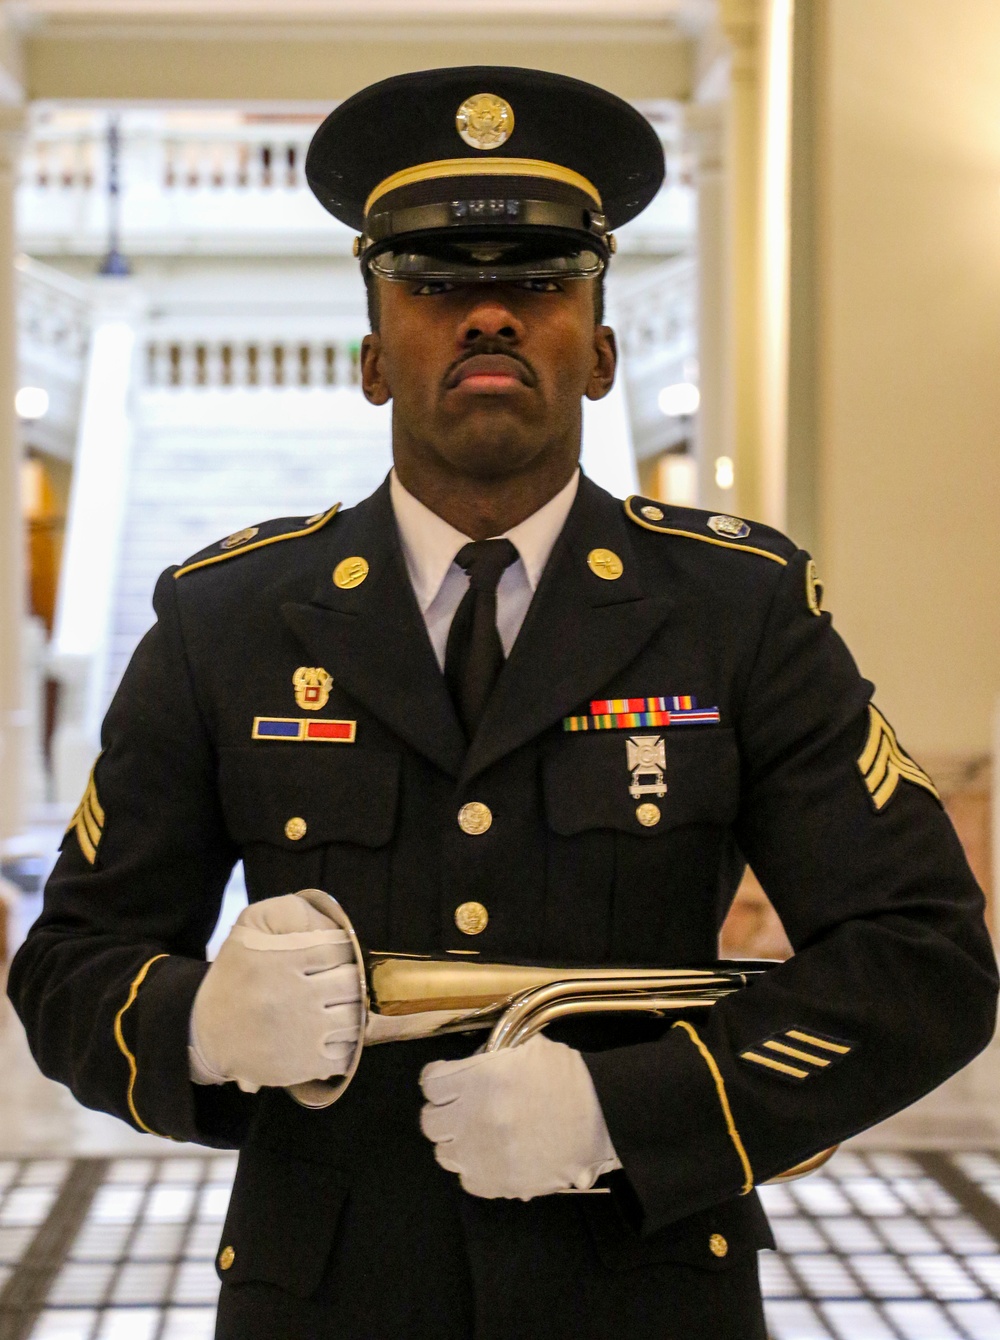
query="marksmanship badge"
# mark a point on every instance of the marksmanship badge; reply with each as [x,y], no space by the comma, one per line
[485,121]
[312,687]
[647,759]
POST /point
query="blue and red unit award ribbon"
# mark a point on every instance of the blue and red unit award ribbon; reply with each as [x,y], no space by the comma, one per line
[634,713]
[304,728]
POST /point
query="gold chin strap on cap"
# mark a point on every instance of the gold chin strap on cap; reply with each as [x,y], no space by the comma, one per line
[484,167]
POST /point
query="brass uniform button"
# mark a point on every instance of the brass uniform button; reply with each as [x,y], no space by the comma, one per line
[718,1245]
[648,814]
[606,564]
[226,1258]
[652,513]
[239,537]
[350,572]
[471,918]
[474,818]
[295,829]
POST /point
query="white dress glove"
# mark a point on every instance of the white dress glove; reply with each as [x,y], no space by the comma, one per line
[281,1004]
[519,1123]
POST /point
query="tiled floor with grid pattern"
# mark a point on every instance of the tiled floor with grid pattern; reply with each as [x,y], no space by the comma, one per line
[141,1265]
[878,1246]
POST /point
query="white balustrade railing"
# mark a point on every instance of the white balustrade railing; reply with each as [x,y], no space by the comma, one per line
[267,161]
[53,332]
[53,314]
[60,157]
[204,363]
[656,313]
[219,181]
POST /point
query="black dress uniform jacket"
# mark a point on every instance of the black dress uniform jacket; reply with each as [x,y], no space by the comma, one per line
[341,1223]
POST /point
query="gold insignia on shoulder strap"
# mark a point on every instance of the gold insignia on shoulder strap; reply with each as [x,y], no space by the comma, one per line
[883,764]
[240,543]
[239,537]
[88,820]
[814,589]
[725,525]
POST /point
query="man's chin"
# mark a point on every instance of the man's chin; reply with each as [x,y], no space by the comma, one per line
[490,460]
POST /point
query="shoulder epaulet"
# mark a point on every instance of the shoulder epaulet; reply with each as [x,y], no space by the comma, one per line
[728,532]
[255,537]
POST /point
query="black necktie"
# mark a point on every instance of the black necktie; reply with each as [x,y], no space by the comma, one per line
[474,654]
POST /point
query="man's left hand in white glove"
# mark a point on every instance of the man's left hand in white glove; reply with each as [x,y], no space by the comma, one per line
[519,1123]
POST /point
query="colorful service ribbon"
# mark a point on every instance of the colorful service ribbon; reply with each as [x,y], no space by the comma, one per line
[634,713]
[304,728]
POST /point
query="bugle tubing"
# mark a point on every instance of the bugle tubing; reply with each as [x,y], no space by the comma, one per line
[408,996]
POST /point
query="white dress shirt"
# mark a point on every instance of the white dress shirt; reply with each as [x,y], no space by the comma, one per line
[430,546]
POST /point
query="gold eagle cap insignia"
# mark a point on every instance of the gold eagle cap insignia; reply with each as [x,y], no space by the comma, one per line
[312,687]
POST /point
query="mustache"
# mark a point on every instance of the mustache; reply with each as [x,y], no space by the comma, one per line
[488,347]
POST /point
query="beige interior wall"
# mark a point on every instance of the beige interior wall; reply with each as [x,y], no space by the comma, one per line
[278,60]
[909,354]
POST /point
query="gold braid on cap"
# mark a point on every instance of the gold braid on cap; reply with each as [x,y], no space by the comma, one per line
[484,167]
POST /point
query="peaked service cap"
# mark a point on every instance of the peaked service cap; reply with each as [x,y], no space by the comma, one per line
[484,172]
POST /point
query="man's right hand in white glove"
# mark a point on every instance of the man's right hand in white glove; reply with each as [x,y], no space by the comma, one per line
[281,1004]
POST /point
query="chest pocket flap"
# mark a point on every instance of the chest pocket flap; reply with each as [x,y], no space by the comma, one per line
[598,781]
[305,797]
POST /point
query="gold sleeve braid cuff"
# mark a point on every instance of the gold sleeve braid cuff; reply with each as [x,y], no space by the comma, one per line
[720,1089]
[88,821]
[133,1070]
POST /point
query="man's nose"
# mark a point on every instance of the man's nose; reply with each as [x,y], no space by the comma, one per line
[490,319]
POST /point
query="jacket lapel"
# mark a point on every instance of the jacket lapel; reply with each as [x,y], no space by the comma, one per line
[373,640]
[579,632]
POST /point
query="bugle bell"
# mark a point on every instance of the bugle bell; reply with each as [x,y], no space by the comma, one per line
[407,996]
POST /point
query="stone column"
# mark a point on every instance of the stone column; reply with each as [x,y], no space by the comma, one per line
[741,23]
[704,126]
[14,718]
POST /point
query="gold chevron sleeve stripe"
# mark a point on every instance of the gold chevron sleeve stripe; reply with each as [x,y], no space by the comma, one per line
[720,1089]
[784,1048]
[772,1064]
[271,539]
[88,820]
[825,1043]
[83,838]
[97,809]
[133,1069]
[883,764]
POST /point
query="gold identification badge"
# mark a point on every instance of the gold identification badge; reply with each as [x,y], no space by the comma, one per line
[312,687]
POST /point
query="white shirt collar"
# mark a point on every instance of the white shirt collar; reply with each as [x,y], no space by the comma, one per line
[430,543]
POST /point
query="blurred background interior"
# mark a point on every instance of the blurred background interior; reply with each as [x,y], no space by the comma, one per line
[809,323]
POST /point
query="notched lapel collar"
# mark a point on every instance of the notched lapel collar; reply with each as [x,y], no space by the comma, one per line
[579,632]
[373,640]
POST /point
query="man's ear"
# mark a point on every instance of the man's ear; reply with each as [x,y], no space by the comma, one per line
[602,374]
[373,382]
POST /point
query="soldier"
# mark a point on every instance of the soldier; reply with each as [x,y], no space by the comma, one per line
[498,713]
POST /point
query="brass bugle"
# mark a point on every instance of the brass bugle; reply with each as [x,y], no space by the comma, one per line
[407,996]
